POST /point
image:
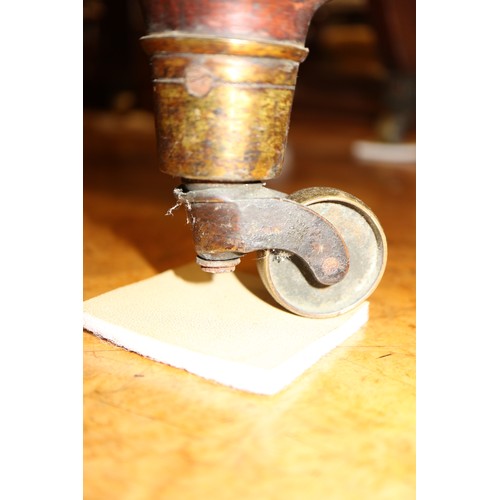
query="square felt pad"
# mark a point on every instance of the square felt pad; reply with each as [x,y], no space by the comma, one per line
[223,327]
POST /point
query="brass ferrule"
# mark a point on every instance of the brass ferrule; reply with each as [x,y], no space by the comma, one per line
[222,105]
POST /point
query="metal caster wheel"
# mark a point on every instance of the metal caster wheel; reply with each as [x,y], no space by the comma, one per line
[289,280]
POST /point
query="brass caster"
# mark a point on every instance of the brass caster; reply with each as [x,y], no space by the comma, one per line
[289,280]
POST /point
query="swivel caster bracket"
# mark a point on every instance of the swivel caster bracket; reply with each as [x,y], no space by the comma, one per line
[321,251]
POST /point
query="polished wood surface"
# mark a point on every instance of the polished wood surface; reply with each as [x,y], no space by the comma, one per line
[344,430]
[284,20]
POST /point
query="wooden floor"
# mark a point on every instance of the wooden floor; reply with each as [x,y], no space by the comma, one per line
[344,430]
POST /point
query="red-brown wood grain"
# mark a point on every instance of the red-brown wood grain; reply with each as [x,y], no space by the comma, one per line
[284,20]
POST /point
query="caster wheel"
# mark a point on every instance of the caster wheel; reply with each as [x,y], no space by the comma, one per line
[289,280]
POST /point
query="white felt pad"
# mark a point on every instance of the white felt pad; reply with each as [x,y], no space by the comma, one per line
[222,327]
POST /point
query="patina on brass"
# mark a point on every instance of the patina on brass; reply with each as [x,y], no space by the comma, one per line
[222,105]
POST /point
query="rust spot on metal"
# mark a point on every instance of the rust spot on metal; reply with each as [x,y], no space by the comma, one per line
[317,248]
[217,266]
[199,80]
[329,265]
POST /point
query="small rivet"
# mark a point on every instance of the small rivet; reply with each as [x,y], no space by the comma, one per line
[199,80]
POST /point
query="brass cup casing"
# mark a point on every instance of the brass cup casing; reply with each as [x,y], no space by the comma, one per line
[222,105]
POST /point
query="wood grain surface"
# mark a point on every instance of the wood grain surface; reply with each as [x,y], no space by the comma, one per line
[344,430]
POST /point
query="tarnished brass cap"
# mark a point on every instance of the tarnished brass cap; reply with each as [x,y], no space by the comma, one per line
[222,105]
